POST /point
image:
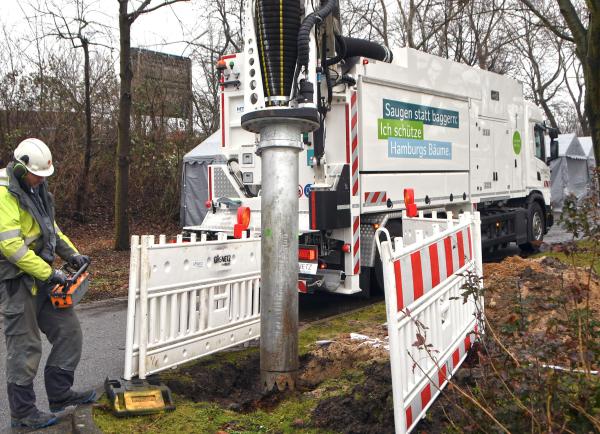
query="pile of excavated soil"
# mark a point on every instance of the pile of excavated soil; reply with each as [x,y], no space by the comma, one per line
[534,305]
[333,359]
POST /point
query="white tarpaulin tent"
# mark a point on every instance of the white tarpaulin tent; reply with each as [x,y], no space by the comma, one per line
[569,172]
[588,148]
[194,182]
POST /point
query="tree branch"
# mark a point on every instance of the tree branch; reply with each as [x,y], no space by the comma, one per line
[143,8]
[552,27]
[570,15]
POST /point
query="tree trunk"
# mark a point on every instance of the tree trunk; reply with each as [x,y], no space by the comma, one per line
[591,73]
[548,112]
[82,188]
[124,136]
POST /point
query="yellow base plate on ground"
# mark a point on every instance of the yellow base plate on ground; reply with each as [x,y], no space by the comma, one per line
[136,397]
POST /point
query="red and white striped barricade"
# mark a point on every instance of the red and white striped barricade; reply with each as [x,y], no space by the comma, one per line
[430,327]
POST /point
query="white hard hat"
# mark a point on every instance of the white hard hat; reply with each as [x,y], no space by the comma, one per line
[36,156]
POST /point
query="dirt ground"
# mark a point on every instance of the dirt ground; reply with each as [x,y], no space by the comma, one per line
[366,409]
[531,302]
[109,269]
[528,303]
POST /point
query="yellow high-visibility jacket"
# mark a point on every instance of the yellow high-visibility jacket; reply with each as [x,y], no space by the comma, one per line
[21,235]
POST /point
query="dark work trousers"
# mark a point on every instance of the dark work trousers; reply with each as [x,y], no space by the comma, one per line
[24,316]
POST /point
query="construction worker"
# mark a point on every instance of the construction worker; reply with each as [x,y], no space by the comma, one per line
[29,241]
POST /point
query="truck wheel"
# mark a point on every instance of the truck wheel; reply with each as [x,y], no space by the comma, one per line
[535,227]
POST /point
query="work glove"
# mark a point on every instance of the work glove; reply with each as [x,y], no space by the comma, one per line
[58,277]
[78,260]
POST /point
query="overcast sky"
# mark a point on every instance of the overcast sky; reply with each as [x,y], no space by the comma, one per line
[157,30]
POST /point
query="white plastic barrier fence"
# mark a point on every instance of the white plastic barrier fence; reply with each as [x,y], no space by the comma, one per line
[430,327]
[189,299]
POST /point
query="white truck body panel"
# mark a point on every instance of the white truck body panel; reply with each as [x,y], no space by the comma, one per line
[456,135]
[478,138]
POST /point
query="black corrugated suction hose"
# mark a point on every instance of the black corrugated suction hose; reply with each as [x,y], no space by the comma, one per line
[307,24]
[277,27]
[352,47]
[359,47]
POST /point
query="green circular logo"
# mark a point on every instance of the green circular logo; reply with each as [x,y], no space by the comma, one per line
[517,142]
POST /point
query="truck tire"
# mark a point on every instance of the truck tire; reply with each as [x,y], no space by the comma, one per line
[535,227]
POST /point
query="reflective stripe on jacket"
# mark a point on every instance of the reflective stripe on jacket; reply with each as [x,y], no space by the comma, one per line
[22,239]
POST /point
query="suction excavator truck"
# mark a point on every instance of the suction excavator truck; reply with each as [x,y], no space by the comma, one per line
[390,134]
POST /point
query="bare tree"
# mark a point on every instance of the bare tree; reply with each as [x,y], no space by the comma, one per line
[368,19]
[424,24]
[206,93]
[221,33]
[542,63]
[580,25]
[12,87]
[37,53]
[81,32]
[126,20]
[576,88]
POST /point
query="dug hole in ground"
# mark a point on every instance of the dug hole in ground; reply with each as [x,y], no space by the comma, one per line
[532,371]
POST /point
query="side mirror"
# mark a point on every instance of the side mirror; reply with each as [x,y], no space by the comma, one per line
[553,150]
[553,133]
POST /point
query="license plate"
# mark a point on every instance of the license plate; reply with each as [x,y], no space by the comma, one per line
[308,267]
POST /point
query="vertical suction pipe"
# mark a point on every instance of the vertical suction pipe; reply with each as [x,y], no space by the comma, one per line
[280,128]
[279,147]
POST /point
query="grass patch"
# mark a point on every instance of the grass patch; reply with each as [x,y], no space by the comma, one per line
[584,255]
[370,316]
[290,416]
[190,417]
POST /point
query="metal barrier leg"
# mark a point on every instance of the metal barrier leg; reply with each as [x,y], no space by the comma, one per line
[144,275]
[134,273]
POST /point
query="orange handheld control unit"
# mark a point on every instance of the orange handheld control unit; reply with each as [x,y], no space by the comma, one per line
[71,293]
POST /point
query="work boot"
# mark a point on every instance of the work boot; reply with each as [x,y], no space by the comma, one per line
[73,399]
[36,420]
[58,387]
[23,412]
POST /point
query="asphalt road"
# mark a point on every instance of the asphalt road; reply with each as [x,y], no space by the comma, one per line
[103,324]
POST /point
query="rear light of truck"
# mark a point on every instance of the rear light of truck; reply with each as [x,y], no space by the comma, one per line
[409,201]
[302,287]
[307,254]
